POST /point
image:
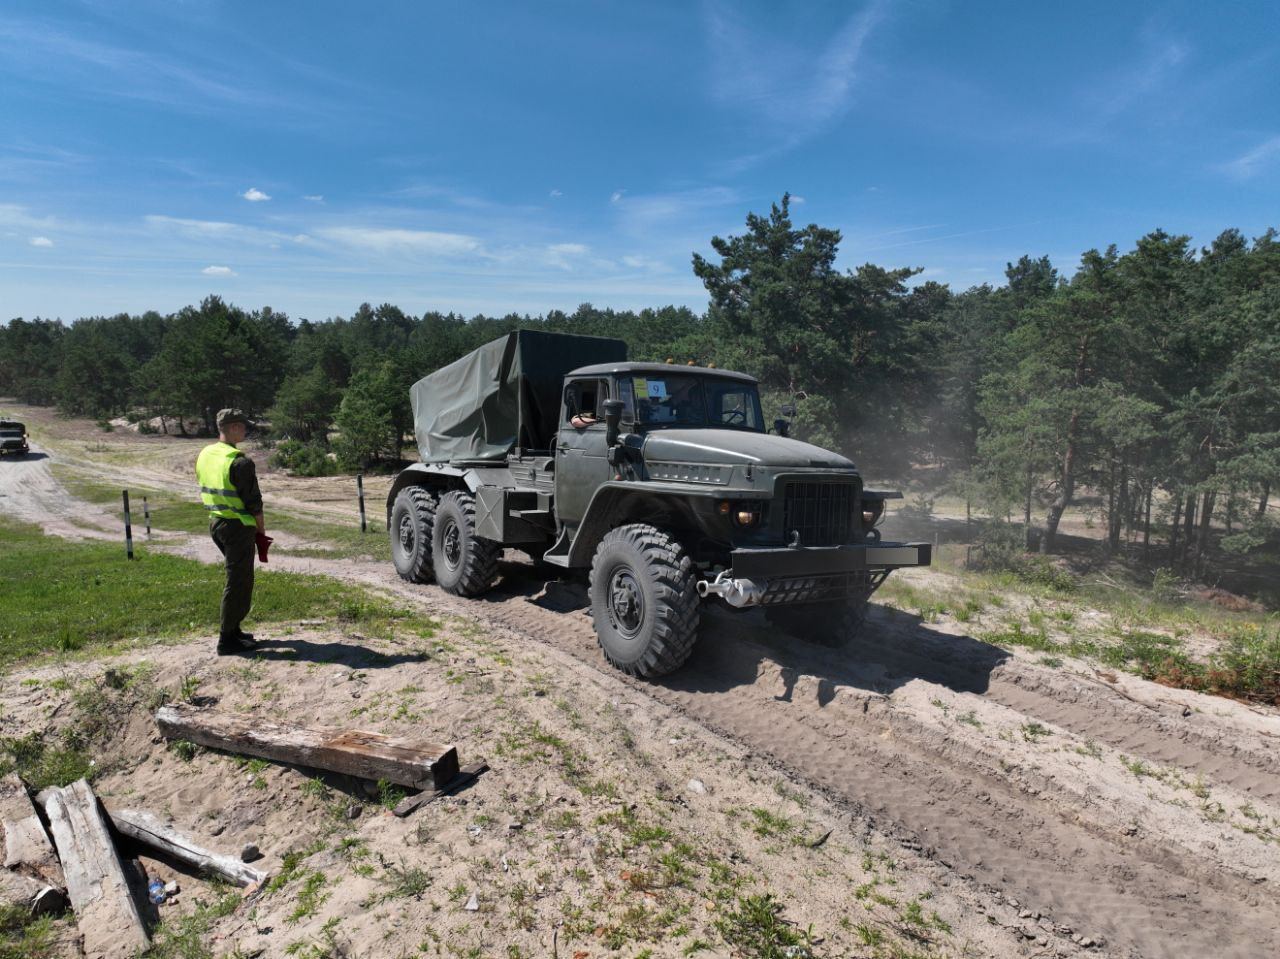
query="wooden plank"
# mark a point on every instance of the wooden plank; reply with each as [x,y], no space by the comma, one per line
[105,910]
[396,759]
[29,850]
[468,774]
[27,846]
[144,828]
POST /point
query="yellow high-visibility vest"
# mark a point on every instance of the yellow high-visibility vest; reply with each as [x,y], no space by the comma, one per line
[213,473]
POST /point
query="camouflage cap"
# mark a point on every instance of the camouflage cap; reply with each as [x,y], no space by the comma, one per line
[233,416]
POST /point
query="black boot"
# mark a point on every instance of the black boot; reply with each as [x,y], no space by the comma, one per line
[231,645]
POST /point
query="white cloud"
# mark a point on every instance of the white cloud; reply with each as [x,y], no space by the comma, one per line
[616,197]
[41,241]
[1252,162]
[377,240]
[313,197]
[301,238]
[797,200]
[205,228]
[254,195]
[796,86]
[555,193]
[566,255]
[218,271]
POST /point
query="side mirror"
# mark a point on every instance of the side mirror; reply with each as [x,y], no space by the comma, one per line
[782,427]
[789,410]
[612,421]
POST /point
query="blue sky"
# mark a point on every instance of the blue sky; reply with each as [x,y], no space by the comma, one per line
[527,156]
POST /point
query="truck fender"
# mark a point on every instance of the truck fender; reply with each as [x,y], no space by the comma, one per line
[434,477]
[615,503]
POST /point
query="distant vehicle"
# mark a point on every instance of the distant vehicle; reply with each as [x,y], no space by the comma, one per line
[13,439]
[662,481]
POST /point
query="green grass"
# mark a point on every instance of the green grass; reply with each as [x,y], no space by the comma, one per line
[169,511]
[188,936]
[172,512]
[24,937]
[62,596]
[755,927]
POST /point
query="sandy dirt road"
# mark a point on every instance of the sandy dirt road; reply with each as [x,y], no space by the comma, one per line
[1144,818]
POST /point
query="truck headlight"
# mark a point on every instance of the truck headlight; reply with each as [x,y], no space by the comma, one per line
[746,517]
[872,513]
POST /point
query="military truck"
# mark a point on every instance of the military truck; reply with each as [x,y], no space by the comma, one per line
[13,439]
[662,482]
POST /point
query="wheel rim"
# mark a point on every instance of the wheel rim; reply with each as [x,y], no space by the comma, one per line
[452,545]
[406,534]
[626,602]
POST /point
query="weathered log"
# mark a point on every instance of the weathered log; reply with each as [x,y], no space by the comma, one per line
[144,828]
[105,910]
[373,756]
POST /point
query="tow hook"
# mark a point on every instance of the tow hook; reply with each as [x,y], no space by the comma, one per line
[735,592]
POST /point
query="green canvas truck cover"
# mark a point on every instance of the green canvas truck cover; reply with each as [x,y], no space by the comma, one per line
[502,395]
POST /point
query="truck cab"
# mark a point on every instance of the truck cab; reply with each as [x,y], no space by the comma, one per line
[662,482]
[13,438]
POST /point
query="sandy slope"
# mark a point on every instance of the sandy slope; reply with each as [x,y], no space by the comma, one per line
[1062,803]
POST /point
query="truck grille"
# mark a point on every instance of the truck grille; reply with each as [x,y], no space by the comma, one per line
[821,512]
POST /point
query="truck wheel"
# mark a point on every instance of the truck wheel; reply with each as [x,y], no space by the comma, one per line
[644,600]
[411,519]
[832,625]
[465,564]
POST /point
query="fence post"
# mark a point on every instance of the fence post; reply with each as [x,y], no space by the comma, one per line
[364,526]
[128,526]
[146,512]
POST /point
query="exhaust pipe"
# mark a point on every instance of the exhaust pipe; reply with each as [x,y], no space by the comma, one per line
[735,592]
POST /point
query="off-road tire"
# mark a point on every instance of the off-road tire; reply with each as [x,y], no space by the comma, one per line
[465,564]
[833,624]
[412,517]
[642,561]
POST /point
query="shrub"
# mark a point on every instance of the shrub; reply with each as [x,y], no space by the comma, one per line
[304,459]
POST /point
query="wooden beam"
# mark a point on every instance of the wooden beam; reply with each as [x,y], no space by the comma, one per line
[396,759]
[105,910]
[144,828]
[27,846]
[29,850]
[468,774]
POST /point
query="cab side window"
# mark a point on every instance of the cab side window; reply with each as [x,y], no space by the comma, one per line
[585,399]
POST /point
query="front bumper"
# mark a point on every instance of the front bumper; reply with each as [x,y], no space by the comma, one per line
[813,574]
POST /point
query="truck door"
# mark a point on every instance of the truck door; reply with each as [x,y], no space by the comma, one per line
[581,465]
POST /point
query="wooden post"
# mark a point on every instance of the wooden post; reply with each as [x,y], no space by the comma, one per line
[128,527]
[364,527]
[146,829]
[146,512]
[372,756]
[105,910]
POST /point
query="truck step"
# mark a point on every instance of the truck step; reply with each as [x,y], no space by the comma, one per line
[558,554]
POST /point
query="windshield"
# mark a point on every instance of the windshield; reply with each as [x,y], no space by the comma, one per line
[12,429]
[690,399]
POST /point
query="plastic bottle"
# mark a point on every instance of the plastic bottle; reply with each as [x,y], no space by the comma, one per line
[155,891]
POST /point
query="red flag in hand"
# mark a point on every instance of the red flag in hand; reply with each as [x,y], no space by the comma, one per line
[264,543]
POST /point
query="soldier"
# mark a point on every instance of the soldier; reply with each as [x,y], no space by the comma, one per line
[229,490]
